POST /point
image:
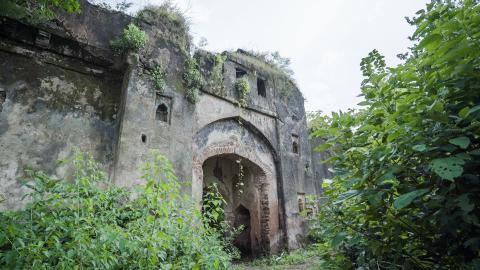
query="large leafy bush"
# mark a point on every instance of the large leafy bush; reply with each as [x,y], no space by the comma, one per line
[89,223]
[406,191]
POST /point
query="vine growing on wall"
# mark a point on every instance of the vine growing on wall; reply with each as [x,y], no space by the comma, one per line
[158,77]
[215,80]
[240,183]
[192,79]
[242,87]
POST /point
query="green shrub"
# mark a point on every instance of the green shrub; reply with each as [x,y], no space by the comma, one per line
[133,39]
[243,89]
[158,77]
[192,79]
[90,223]
[406,192]
[213,214]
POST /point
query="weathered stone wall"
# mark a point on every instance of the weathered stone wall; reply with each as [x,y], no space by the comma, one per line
[320,169]
[55,101]
[64,89]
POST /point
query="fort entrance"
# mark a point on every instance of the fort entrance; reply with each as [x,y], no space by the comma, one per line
[239,181]
[240,162]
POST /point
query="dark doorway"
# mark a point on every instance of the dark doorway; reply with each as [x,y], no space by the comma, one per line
[243,241]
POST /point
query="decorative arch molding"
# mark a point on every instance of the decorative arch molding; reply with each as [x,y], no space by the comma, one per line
[250,127]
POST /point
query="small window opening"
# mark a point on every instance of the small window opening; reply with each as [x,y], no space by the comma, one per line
[144,138]
[261,89]
[240,72]
[162,113]
[295,147]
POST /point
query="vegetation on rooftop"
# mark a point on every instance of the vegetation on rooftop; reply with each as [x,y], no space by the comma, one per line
[121,6]
[175,25]
[269,62]
[36,11]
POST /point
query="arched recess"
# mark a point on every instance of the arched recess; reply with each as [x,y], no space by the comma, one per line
[231,136]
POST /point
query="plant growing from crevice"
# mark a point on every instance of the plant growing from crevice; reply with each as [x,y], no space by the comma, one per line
[158,77]
[192,79]
[133,39]
[243,89]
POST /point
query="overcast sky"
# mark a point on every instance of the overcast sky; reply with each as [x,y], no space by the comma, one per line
[324,39]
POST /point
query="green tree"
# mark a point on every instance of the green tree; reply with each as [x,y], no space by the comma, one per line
[406,191]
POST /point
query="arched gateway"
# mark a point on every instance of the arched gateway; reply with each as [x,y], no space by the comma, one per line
[241,162]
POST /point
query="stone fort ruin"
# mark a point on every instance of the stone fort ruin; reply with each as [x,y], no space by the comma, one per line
[61,87]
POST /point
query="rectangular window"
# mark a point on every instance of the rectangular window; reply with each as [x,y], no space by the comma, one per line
[239,72]
[261,88]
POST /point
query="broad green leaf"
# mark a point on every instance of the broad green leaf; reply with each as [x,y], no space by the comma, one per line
[448,168]
[323,147]
[363,103]
[407,198]
[430,41]
[474,109]
[463,113]
[475,152]
[346,195]
[420,147]
[462,142]
[465,204]
[338,239]
[393,136]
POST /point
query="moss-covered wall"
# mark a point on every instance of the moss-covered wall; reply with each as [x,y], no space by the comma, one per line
[50,109]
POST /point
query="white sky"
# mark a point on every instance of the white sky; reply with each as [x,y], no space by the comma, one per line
[324,39]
